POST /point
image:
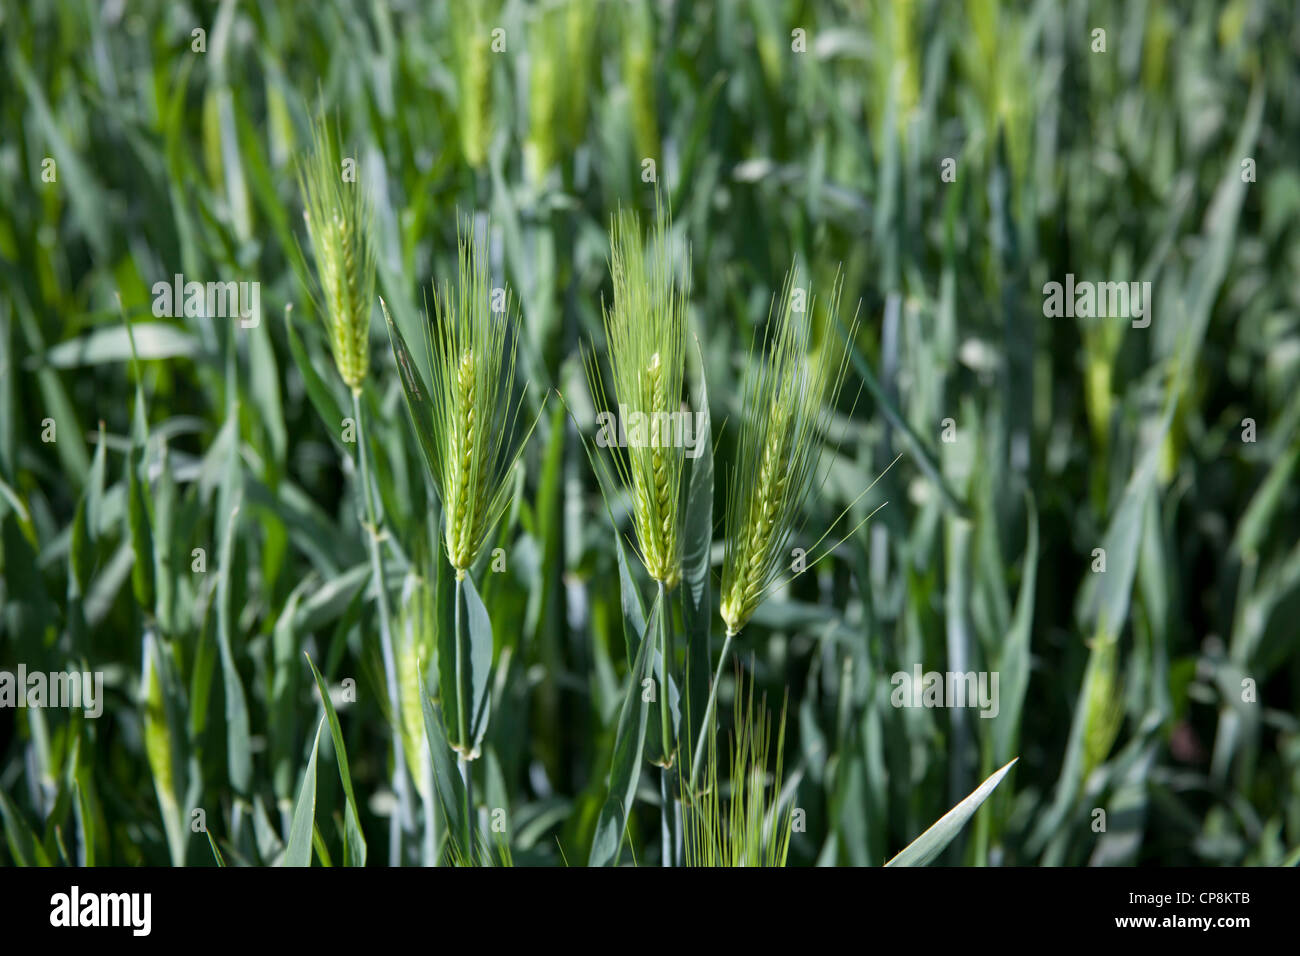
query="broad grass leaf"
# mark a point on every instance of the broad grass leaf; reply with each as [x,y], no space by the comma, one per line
[81,550]
[23,843]
[1105,597]
[322,399]
[309,526]
[446,777]
[167,573]
[356,843]
[238,739]
[479,631]
[111,345]
[418,400]
[625,769]
[264,387]
[933,841]
[139,521]
[1258,519]
[88,200]
[298,850]
[94,488]
[633,607]
[283,705]
[71,446]
[202,671]
[331,599]
[163,721]
[1014,661]
[1127,806]
[85,826]
[444,596]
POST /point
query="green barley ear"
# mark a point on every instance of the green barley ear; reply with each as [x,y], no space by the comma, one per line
[1103,700]
[638,31]
[340,227]
[645,330]
[546,68]
[472,23]
[580,30]
[559,66]
[472,355]
[788,397]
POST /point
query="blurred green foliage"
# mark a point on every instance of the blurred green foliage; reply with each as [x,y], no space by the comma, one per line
[1163,690]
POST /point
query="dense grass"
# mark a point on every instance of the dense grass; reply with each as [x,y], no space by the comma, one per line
[1026,441]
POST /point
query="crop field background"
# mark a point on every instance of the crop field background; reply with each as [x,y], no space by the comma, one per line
[1094,515]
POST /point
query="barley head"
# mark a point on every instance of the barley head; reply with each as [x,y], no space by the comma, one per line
[645,330]
[639,76]
[559,67]
[580,30]
[1103,700]
[472,355]
[340,229]
[472,23]
[546,69]
[778,455]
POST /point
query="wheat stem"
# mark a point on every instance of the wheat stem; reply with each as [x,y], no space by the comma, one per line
[707,725]
[401,820]
[665,818]
[665,726]
[461,718]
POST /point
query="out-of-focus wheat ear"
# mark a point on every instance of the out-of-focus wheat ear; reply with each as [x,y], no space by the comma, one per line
[473,23]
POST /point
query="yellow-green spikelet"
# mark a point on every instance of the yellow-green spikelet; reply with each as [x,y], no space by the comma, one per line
[471,26]
[742,592]
[338,218]
[349,314]
[658,520]
[462,497]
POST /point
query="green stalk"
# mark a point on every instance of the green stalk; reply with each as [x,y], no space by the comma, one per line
[664,717]
[665,820]
[461,719]
[431,835]
[708,713]
[386,646]
[668,842]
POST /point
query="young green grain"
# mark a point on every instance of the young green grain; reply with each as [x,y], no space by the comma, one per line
[340,228]
[777,463]
[472,355]
[779,454]
[472,23]
[646,334]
